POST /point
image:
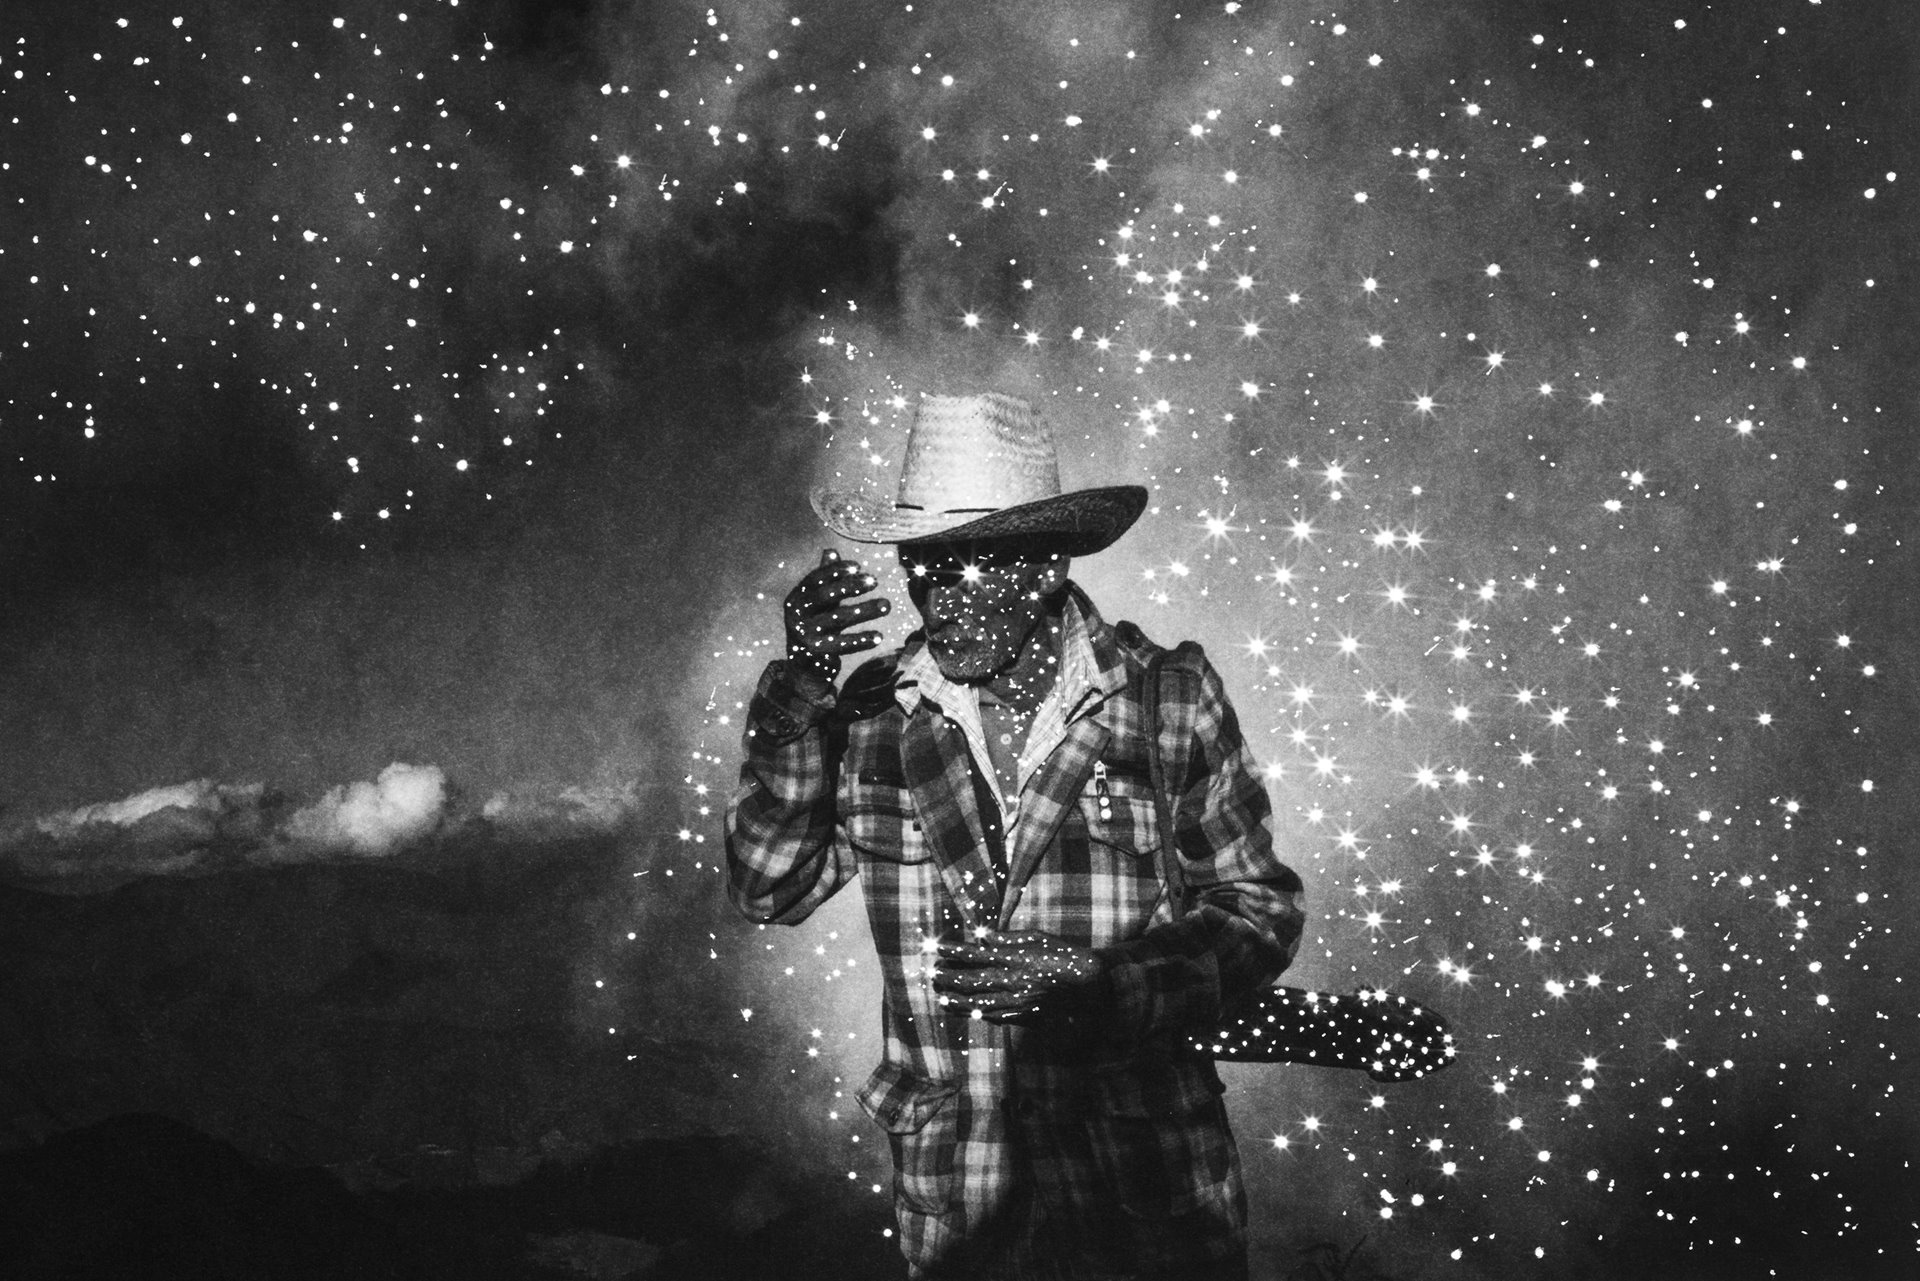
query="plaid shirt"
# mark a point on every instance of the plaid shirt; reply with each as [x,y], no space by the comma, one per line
[1093,1145]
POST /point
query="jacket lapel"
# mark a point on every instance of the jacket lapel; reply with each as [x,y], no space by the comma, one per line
[1054,789]
[1104,709]
[935,761]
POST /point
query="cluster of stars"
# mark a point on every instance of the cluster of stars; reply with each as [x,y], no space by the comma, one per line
[1535,754]
[1510,500]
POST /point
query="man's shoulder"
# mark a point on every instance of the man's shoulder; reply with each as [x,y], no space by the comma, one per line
[1140,649]
[1123,640]
[1134,642]
[1185,674]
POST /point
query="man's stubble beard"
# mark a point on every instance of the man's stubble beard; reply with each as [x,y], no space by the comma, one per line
[975,658]
[971,661]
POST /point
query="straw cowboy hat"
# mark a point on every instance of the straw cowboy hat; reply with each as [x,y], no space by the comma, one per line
[982,467]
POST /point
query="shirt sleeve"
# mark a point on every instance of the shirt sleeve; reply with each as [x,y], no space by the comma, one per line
[1245,913]
[782,858]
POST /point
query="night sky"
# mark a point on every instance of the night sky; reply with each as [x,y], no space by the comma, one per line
[1524,389]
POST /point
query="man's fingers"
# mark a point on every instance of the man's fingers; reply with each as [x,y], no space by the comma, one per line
[846,615]
[1030,1014]
[975,981]
[826,623]
[831,649]
[974,954]
[846,643]
[1011,1009]
[839,630]
[840,582]
[995,1002]
[835,570]
[1004,943]
[1027,1000]
[832,581]
[1005,981]
[828,609]
[977,968]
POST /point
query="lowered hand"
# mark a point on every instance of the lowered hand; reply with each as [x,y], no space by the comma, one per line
[1015,977]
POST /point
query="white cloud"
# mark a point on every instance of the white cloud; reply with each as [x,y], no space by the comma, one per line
[200,827]
[374,819]
[201,794]
[535,813]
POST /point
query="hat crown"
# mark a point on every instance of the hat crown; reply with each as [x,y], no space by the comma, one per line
[977,454]
[979,467]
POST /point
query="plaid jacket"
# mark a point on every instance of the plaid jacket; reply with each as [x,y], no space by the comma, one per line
[1090,1146]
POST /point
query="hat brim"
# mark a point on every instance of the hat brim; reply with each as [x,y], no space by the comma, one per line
[1084,520]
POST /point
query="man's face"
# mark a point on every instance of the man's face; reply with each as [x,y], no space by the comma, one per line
[980,602]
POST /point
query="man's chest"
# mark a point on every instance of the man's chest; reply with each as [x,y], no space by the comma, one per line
[1079,856]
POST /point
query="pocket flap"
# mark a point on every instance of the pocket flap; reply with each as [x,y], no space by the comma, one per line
[885,827]
[1127,823]
[901,1101]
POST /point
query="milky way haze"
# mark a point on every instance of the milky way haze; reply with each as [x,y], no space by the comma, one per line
[1524,392]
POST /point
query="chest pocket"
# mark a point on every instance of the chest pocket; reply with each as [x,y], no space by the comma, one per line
[1120,816]
[878,815]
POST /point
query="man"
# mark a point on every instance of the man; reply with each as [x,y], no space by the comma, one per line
[990,784]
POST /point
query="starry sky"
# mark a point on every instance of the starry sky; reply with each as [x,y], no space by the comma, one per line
[1523,390]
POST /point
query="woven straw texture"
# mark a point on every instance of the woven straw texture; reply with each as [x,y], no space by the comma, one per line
[981,467]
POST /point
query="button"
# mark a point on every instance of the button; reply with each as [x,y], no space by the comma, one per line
[1006,740]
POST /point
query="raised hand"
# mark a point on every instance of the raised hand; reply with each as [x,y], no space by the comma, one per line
[1013,978]
[818,613]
